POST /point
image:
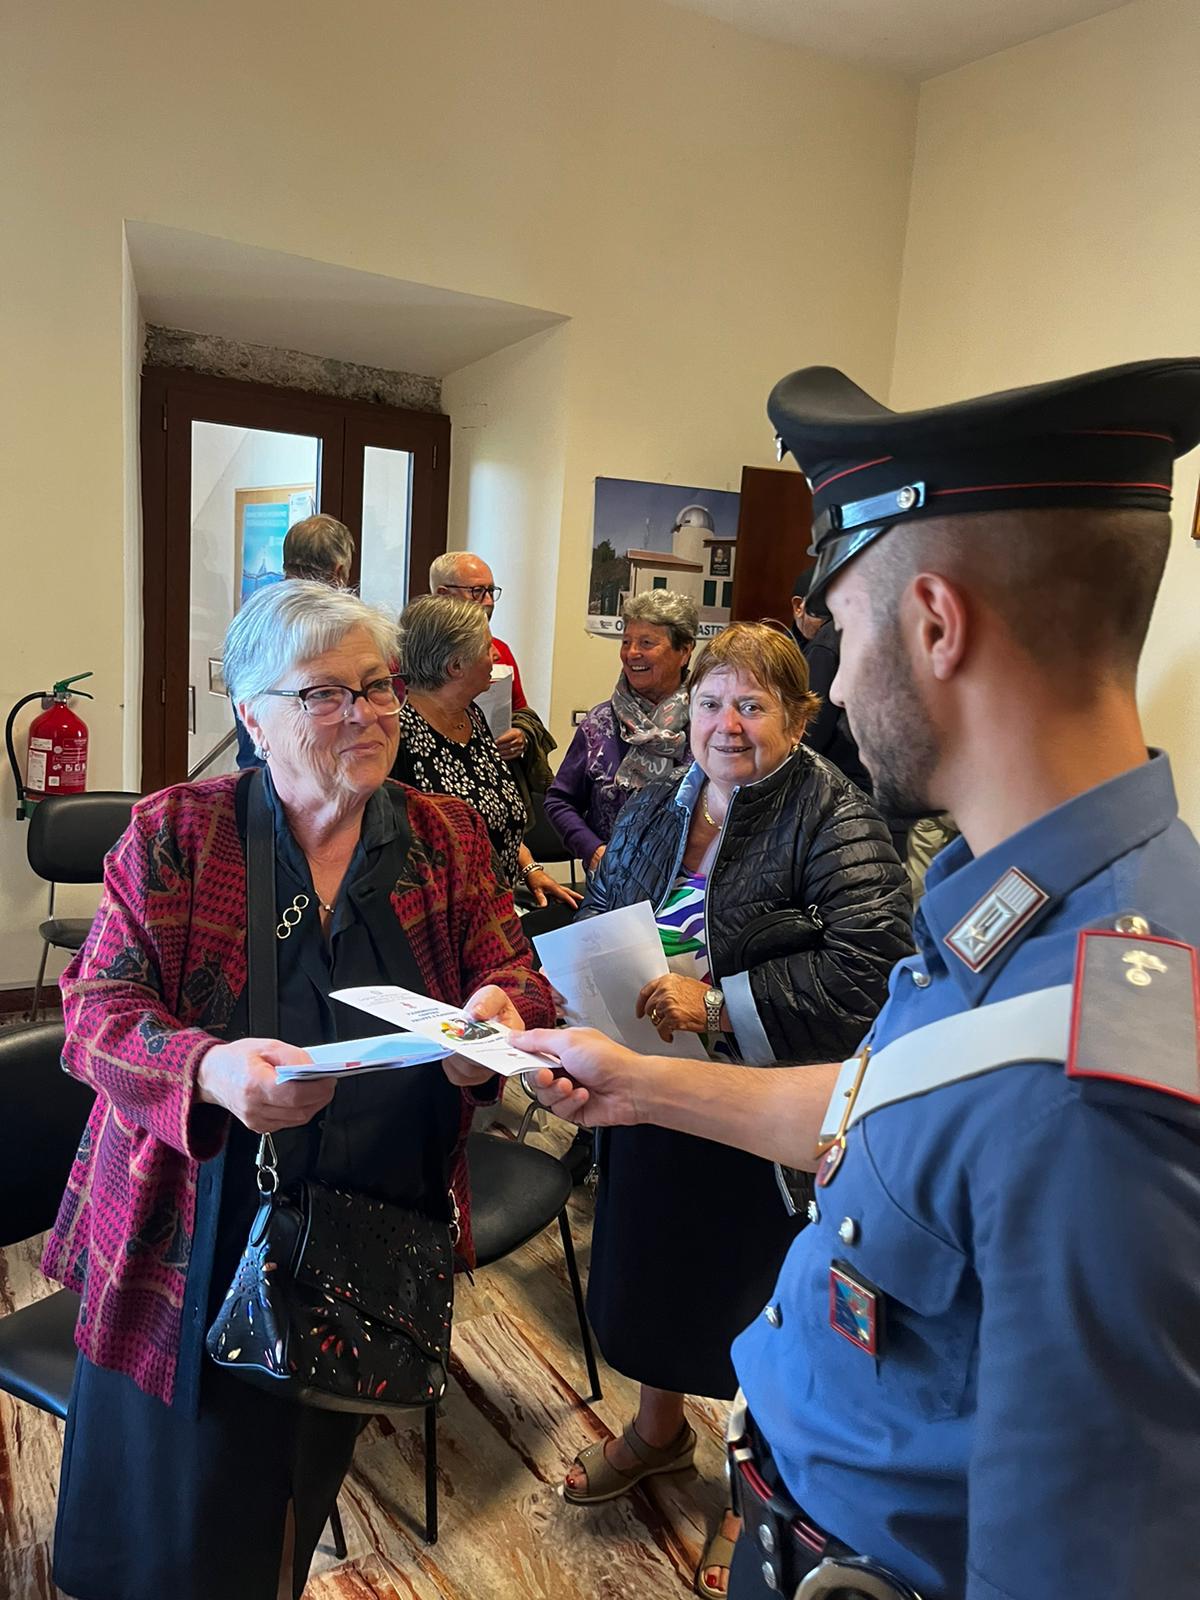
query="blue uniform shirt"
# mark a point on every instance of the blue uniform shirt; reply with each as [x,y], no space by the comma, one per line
[1031,1426]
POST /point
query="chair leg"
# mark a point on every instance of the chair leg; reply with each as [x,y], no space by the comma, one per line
[338,1532]
[431,1487]
[585,1333]
[37,983]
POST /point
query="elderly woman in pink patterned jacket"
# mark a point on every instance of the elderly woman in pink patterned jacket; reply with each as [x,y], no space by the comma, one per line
[178,1480]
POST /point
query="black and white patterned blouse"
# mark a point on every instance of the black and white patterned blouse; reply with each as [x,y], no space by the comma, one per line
[476,772]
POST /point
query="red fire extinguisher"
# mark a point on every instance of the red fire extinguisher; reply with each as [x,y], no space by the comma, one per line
[57,752]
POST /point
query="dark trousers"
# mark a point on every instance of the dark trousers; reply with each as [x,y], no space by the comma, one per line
[745,1577]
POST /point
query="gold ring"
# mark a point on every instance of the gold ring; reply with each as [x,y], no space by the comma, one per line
[654,1016]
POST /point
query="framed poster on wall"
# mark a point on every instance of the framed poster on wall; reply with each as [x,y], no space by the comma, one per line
[262,518]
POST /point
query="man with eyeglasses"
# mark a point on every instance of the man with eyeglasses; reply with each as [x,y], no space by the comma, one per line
[464,576]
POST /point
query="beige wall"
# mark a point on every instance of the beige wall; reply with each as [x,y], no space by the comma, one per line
[660,179]
[508,449]
[1055,226]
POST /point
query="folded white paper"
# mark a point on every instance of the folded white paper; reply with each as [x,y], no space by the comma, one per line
[601,965]
[496,700]
[485,1043]
[348,1057]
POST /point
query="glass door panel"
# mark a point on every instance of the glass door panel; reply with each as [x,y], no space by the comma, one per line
[248,485]
[384,542]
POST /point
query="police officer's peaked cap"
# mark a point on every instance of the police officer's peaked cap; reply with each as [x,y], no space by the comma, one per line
[1105,438]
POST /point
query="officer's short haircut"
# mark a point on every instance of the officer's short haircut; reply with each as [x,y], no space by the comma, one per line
[316,548]
[1074,585]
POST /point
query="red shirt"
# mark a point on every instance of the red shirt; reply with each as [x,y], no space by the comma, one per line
[502,654]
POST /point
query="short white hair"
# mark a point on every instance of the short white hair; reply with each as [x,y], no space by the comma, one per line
[444,569]
[665,608]
[291,622]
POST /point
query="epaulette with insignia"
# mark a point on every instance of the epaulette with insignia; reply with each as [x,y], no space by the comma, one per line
[1135,1016]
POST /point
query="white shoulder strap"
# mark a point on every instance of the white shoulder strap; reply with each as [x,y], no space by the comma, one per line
[1029,1027]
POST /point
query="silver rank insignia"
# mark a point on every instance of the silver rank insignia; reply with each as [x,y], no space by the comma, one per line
[992,921]
[1136,1012]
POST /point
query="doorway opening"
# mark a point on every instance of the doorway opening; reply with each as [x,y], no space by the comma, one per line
[227,466]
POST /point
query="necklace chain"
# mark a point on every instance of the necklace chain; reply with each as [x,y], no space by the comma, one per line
[705,812]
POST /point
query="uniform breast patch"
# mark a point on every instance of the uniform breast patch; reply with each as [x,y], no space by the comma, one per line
[992,921]
[1136,1012]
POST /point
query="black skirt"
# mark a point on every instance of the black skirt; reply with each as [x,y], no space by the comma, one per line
[154,1503]
[688,1241]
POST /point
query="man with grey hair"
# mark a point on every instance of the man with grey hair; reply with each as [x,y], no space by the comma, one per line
[465,576]
[320,548]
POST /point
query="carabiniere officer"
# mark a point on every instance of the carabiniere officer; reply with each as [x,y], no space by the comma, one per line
[979,1375]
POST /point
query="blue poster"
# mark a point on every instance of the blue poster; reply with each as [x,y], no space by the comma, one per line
[264,528]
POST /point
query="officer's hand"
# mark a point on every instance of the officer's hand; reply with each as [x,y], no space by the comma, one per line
[595,1082]
[241,1077]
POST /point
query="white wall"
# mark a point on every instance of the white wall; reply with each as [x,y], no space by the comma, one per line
[508,445]
[1054,227]
[675,188]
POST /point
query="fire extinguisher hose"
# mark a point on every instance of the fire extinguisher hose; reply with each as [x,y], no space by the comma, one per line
[41,694]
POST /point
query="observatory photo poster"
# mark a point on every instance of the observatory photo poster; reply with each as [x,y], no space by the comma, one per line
[661,536]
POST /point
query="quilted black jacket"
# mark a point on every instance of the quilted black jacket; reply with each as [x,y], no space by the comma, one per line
[803,839]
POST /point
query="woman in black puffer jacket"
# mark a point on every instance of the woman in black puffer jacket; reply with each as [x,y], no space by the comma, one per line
[782,907]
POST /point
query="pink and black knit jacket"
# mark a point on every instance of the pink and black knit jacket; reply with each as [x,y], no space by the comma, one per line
[159,976]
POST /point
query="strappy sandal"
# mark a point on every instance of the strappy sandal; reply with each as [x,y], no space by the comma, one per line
[718,1552]
[606,1482]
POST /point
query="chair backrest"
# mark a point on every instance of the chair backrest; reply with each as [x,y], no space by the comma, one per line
[42,1116]
[70,834]
[542,837]
[544,919]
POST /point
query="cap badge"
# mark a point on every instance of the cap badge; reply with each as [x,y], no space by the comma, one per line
[907,498]
[997,918]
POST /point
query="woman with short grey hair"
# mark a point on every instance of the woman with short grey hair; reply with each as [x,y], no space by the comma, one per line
[637,736]
[372,884]
[446,745]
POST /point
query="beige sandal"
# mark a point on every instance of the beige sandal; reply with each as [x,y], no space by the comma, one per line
[606,1482]
[718,1552]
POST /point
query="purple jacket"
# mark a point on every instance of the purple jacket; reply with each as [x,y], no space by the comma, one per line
[584,799]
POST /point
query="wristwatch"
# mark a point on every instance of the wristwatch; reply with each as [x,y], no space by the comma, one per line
[714,1002]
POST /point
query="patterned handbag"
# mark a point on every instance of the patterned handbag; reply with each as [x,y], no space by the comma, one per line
[339,1301]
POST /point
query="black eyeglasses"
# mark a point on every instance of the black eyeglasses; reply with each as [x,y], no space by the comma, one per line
[477,590]
[333,702]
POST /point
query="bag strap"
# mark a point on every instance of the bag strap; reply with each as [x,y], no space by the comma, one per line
[262,986]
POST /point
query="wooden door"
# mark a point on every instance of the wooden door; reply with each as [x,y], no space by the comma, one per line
[774,532]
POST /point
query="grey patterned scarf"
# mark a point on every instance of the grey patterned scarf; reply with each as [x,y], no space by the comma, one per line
[656,735]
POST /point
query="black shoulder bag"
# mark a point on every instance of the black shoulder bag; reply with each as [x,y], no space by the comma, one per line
[339,1301]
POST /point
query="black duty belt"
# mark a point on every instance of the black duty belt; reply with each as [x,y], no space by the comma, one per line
[800,1561]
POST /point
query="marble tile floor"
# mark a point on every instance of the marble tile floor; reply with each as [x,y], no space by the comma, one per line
[511,1423]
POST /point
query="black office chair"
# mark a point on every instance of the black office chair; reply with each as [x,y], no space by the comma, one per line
[544,839]
[42,1117]
[69,836]
[516,1192]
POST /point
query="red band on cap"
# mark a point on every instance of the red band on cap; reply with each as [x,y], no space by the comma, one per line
[1121,433]
[1072,483]
[847,471]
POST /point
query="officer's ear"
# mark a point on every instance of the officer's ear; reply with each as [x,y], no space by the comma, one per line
[939,619]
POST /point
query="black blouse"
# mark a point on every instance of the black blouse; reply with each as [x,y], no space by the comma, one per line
[475,772]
